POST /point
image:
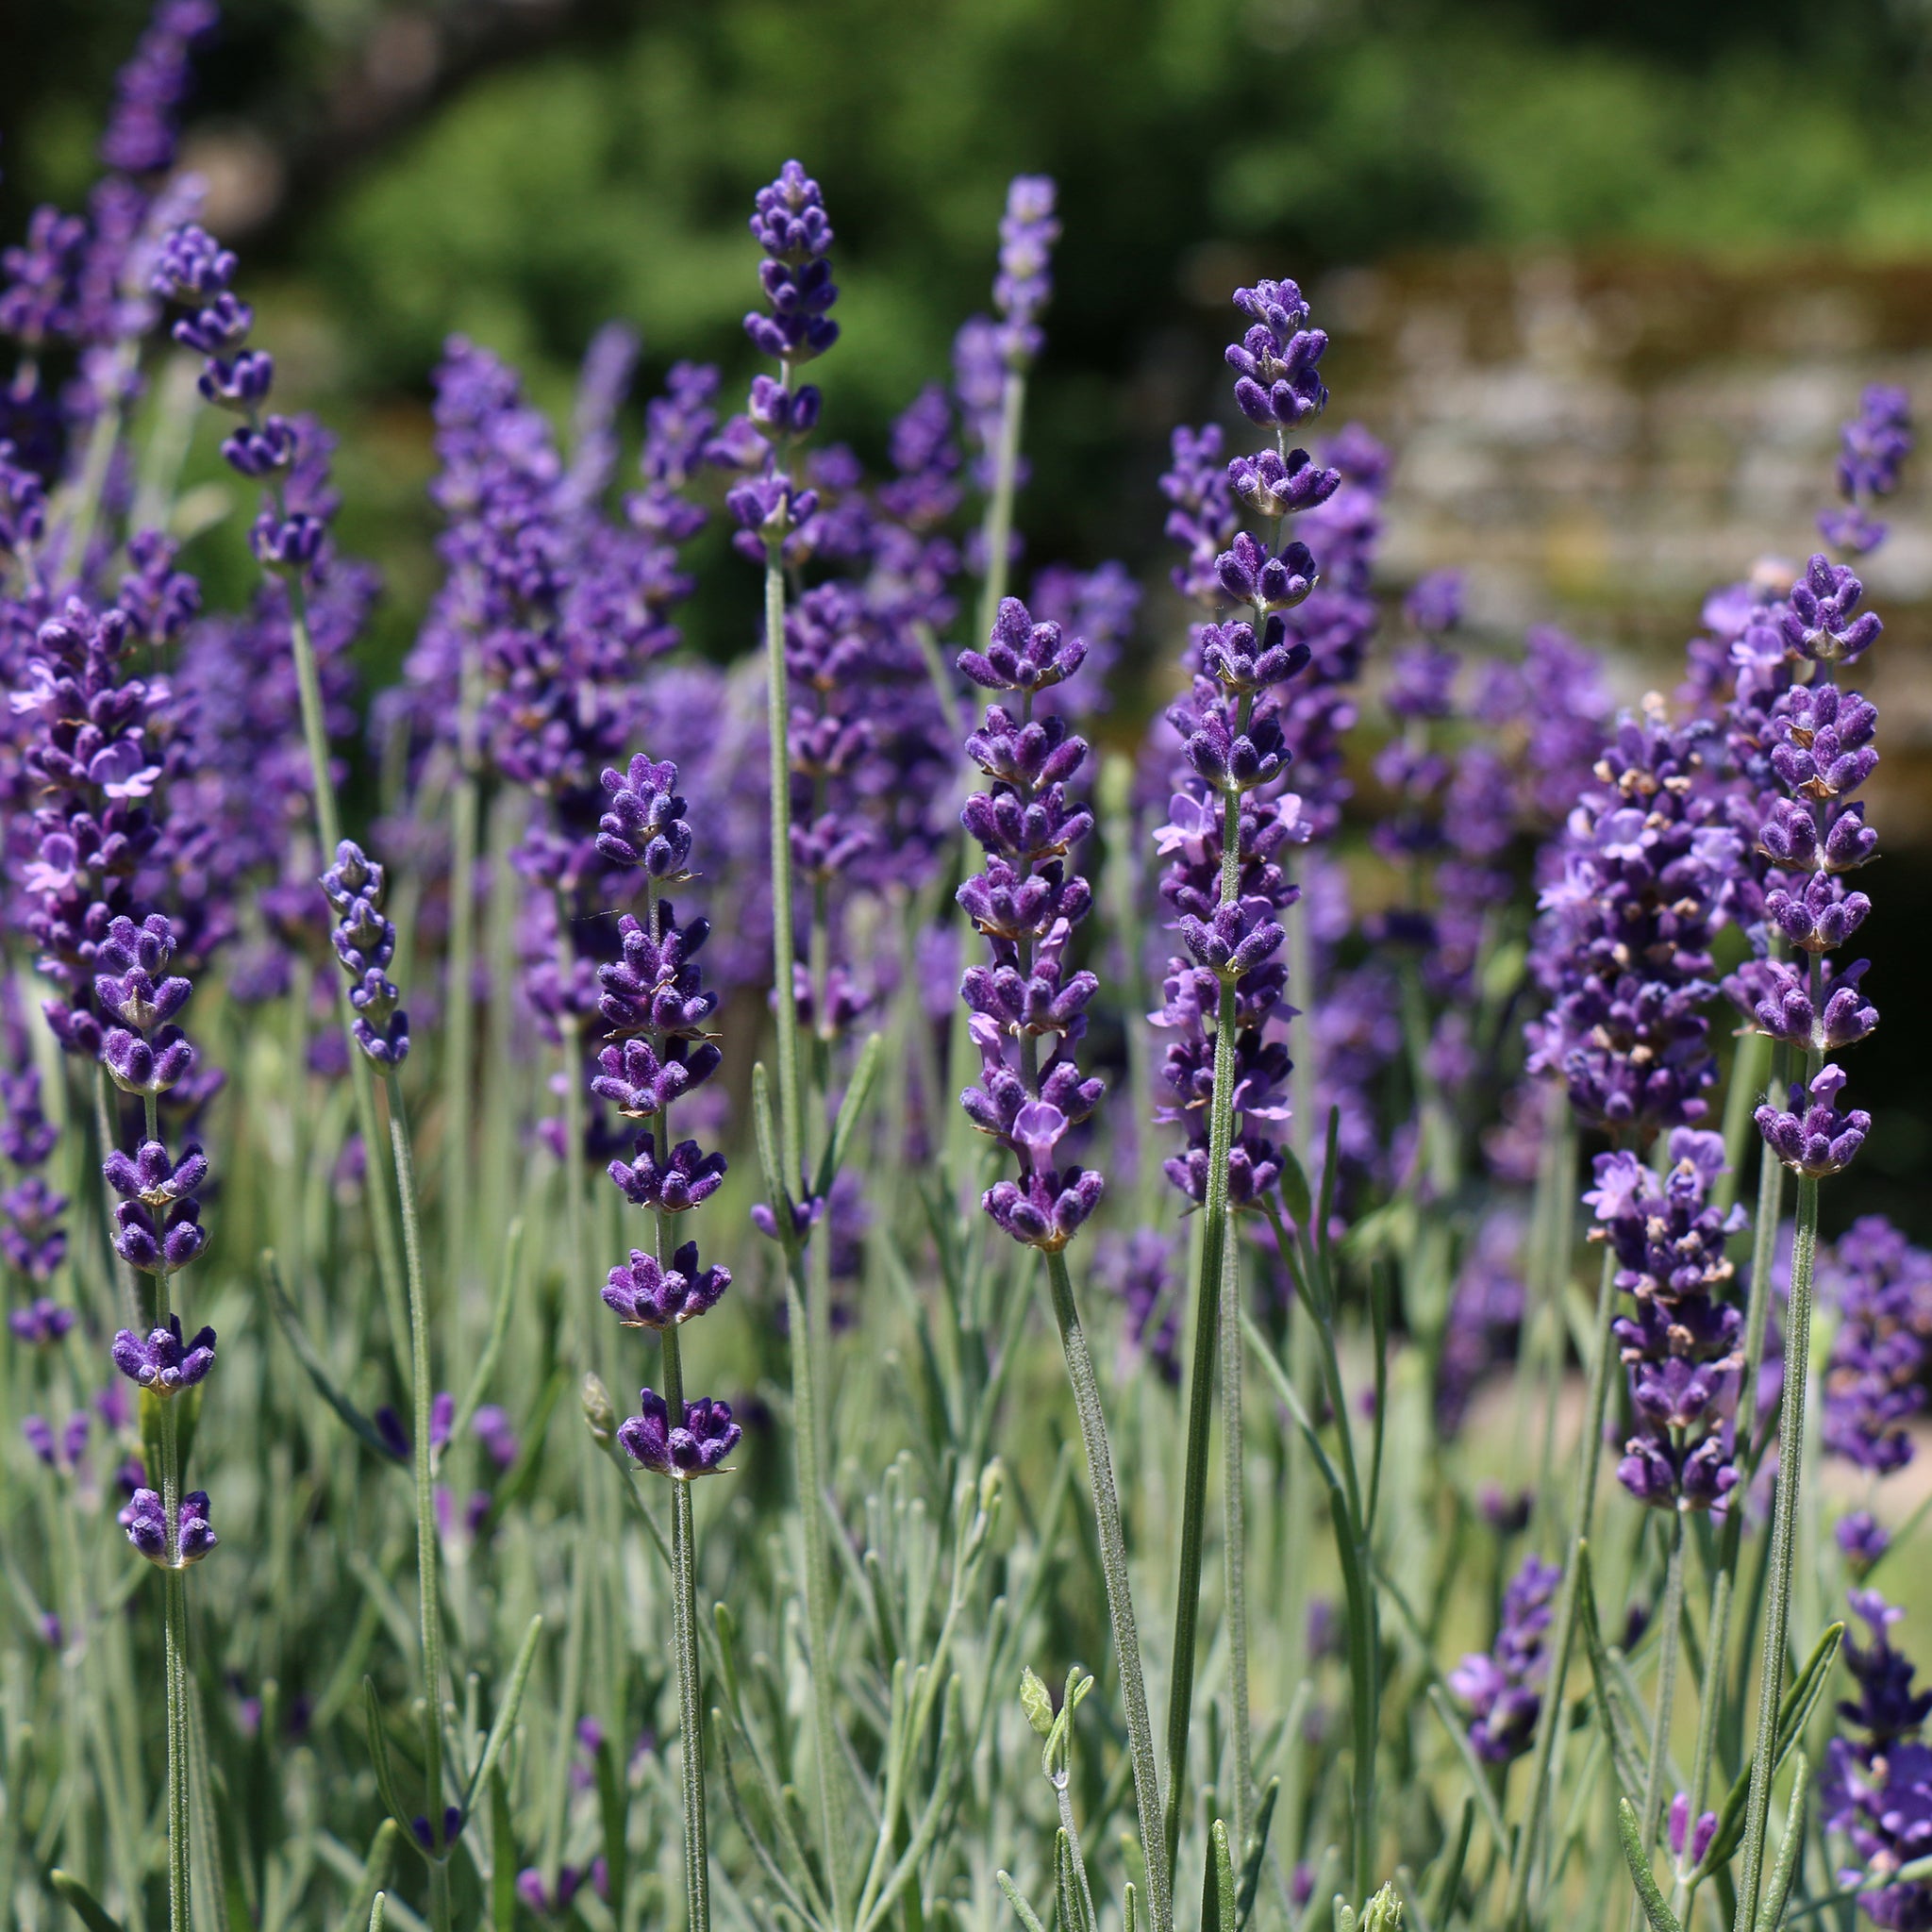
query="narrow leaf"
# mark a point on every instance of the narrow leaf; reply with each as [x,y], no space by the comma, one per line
[1257,1852]
[378,1752]
[1793,1713]
[1772,1917]
[1478,1784]
[775,1185]
[1627,1752]
[507,1711]
[305,1352]
[1444,1907]
[1660,1914]
[82,1903]
[1224,1879]
[499,1330]
[376,1875]
[1027,1916]
[851,1111]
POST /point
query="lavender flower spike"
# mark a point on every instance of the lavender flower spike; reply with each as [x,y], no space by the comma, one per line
[694,1447]
[172,1547]
[1026,904]
[365,943]
[1503,1687]
[165,1362]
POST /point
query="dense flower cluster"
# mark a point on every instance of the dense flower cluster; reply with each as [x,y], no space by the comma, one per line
[1821,752]
[1682,1344]
[32,1240]
[1503,1686]
[657,1049]
[1623,948]
[1877,1787]
[1881,1287]
[1026,904]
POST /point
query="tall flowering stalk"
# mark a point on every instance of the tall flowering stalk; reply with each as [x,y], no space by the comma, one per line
[1821,752]
[1230,818]
[158,1232]
[657,1048]
[1026,904]
[290,540]
[365,943]
[990,362]
[1638,890]
[773,515]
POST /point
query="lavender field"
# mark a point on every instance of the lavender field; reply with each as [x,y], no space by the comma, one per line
[760,1195]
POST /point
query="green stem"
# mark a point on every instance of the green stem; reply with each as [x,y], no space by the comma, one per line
[697,1876]
[174,1616]
[1669,1642]
[1120,1599]
[1210,1293]
[998,527]
[1712,1694]
[425,1496]
[1234,1541]
[459,1042]
[328,830]
[818,1581]
[1588,1463]
[1791,1451]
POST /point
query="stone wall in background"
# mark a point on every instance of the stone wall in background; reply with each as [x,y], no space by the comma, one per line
[1599,441]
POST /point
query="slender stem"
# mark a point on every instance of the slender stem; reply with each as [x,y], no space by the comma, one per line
[174,1616]
[1764,1232]
[1305,1070]
[1234,1541]
[1669,1646]
[1211,1291]
[1120,1599]
[460,1036]
[175,1633]
[1791,1451]
[1712,1694]
[329,829]
[998,528]
[425,1496]
[1588,1463]
[818,1582]
[697,1876]
[784,937]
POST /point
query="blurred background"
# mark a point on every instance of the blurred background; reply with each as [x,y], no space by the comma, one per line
[1605,279]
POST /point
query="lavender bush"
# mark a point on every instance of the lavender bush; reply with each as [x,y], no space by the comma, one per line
[1294,1059]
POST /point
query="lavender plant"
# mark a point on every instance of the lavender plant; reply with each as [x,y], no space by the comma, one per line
[1505,916]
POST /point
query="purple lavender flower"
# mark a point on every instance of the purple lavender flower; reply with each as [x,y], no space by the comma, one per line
[1687,1841]
[1503,1686]
[696,1446]
[1813,1138]
[1882,1289]
[494,1431]
[1138,1270]
[172,1547]
[140,134]
[365,943]
[1025,283]
[1026,904]
[1878,1787]
[1623,946]
[1274,362]
[41,1324]
[165,1362]
[1872,447]
[1861,1539]
[648,1295]
[1682,1344]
